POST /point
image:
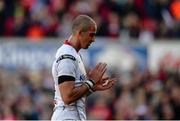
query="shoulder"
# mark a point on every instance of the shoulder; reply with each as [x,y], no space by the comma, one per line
[65,49]
[66,52]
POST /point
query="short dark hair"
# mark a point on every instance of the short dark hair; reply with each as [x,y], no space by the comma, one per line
[83,22]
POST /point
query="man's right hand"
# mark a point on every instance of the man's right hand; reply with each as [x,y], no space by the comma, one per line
[97,73]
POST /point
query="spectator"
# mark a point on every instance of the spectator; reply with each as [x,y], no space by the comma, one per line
[114,16]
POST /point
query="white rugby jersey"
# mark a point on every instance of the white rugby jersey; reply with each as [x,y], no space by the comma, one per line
[70,66]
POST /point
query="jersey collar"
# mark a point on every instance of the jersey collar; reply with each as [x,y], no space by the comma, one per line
[66,42]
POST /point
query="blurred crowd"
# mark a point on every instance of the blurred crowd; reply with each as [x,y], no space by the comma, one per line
[142,19]
[27,95]
[139,96]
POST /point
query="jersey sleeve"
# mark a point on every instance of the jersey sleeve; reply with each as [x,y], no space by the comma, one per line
[66,67]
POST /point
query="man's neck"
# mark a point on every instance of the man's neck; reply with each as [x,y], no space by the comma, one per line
[74,42]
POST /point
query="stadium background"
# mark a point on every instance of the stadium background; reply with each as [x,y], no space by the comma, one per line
[139,39]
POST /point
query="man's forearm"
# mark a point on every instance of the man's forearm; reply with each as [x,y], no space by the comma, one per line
[76,93]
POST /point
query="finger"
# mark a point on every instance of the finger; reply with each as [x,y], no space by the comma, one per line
[105,78]
[105,82]
[102,82]
[97,66]
[103,71]
[113,79]
[109,82]
[112,82]
[105,87]
[109,85]
[102,66]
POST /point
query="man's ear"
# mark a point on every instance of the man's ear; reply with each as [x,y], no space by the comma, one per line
[79,33]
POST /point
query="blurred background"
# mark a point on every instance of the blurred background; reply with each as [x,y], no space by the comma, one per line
[138,39]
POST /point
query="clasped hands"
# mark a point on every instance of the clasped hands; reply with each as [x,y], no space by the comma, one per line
[97,75]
